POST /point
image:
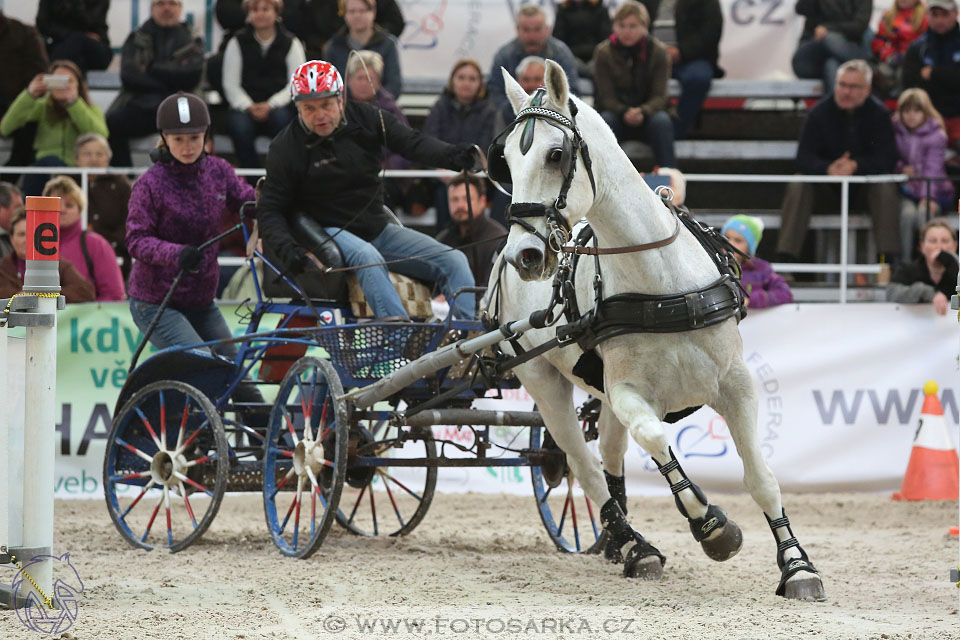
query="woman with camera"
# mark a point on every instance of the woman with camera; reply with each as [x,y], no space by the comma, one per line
[60,105]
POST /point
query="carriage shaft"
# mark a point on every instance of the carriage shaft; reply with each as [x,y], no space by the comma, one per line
[479,417]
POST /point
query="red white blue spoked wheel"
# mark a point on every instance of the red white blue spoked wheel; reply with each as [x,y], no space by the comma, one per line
[570,517]
[165,467]
[305,460]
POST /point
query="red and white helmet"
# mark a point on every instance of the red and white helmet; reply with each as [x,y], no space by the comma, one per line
[315,79]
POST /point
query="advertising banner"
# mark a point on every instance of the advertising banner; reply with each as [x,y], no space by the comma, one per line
[839,390]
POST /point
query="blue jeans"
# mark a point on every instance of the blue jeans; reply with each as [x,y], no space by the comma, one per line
[243,130]
[656,130]
[821,58]
[695,79]
[184,327]
[450,271]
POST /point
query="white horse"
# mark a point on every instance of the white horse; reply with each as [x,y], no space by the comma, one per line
[645,375]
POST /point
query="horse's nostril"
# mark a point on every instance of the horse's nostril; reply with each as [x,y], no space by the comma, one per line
[530,258]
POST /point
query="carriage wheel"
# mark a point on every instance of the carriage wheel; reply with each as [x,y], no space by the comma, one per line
[166,450]
[387,500]
[572,520]
[306,454]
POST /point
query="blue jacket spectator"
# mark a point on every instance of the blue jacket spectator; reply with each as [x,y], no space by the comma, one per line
[463,113]
[361,32]
[533,39]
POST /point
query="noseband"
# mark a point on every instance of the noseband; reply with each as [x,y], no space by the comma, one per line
[559,231]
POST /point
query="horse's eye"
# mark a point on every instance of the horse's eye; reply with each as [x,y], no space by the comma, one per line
[555,155]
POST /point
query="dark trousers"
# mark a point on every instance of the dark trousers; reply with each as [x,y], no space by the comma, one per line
[656,130]
[125,122]
[880,200]
[243,130]
[695,79]
[89,54]
[33,183]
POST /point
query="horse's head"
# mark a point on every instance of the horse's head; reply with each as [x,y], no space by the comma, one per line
[543,156]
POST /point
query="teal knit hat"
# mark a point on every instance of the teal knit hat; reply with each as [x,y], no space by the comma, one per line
[749,227]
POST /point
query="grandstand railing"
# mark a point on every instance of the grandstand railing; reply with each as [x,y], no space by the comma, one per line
[843,268]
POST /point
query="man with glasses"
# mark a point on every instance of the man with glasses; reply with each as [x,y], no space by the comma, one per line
[933,63]
[847,133]
[160,58]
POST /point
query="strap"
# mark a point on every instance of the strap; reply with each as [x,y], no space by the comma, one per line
[597,251]
[89,261]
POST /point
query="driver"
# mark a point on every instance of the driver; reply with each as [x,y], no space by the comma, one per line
[327,165]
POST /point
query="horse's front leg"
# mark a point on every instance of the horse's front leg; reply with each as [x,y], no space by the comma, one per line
[719,536]
[613,442]
[737,402]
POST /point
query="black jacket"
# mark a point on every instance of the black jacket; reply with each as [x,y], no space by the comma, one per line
[57,19]
[24,56]
[849,17]
[829,132]
[156,61]
[699,24]
[263,74]
[453,122]
[942,53]
[320,19]
[582,26]
[336,179]
[917,271]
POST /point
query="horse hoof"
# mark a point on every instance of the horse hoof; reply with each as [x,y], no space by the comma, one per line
[724,543]
[805,586]
[646,568]
[611,553]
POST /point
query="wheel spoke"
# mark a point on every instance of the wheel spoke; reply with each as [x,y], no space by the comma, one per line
[399,484]
[193,463]
[357,504]
[134,450]
[593,522]
[373,513]
[573,518]
[163,423]
[153,516]
[283,525]
[393,502]
[280,484]
[166,506]
[296,520]
[192,437]
[293,434]
[129,476]
[186,502]
[147,424]
[137,499]
[193,483]
[183,423]
[563,516]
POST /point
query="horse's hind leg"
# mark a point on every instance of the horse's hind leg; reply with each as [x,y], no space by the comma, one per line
[613,442]
[737,403]
[720,537]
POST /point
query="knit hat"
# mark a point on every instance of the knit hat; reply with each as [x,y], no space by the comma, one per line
[749,227]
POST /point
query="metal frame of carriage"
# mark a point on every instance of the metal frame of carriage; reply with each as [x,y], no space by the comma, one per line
[347,438]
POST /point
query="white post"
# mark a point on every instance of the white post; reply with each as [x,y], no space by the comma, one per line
[40,380]
[844,236]
[4,441]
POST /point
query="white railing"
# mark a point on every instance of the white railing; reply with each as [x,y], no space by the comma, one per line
[843,268]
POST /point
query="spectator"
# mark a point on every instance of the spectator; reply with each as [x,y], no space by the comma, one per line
[161,57]
[320,19]
[922,143]
[848,132]
[89,252]
[362,32]
[764,287]
[76,30]
[175,206]
[931,277]
[691,31]
[73,286]
[327,167]
[232,15]
[900,25]
[530,74]
[582,25]
[832,34]
[630,78]
[60,105]
[472,230]
[933,64]
[533,39]
[108,195]
[24,56]
[11,199]
[257,65]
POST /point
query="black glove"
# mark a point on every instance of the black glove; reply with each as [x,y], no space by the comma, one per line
[295,261]
[465,158]
[190,258]
[947,259]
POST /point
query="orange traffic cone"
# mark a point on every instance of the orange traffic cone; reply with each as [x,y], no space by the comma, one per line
[933,468]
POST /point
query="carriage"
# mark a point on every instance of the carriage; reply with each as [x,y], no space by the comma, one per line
[280,419]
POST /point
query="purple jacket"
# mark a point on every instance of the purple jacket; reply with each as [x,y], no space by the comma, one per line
[173,205]
[923,149]
[764,287]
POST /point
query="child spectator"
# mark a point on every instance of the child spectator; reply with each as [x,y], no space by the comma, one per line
[89,252]
[60,105]
[922,144]
[257,65]
[764,287]
[932,276]
[73,286]
[361,32]
[582,25]
[900,25]
[107,194]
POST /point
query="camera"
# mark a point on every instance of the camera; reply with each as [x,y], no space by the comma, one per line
[53,81]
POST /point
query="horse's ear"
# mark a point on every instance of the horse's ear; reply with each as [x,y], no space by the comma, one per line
[558,89]
[515,93]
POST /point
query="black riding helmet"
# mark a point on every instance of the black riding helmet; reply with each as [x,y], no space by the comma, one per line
[180,113]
